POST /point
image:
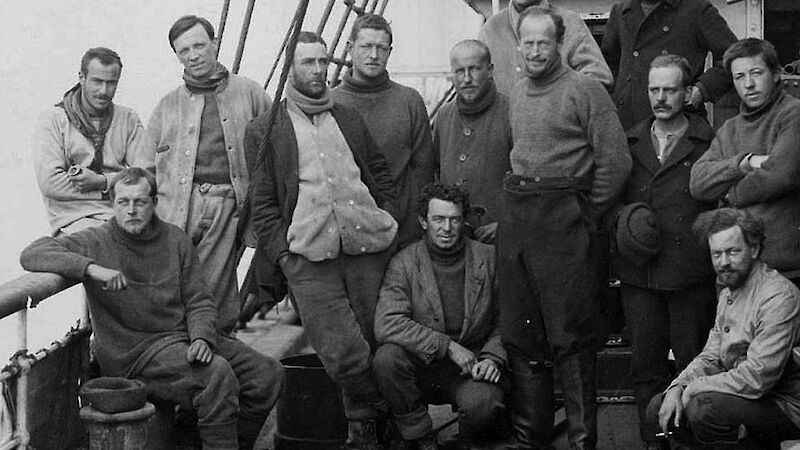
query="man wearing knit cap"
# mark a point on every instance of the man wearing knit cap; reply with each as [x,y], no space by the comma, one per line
[753,162]
[395,115]
[437,324]
[196,133]
[668,293]
[580,50]
[323,201]
[569,162]
[82,141]
[472,137]
[637,31]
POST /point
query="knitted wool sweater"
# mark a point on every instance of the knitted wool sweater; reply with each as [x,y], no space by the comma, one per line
[166,299]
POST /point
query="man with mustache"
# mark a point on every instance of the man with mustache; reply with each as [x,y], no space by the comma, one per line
[323,206]
[196,134]
[395,114]
[580,50]
[753,162]
[472,137]
[637,31]
[668,294]
[437,324]
[745,383]
[569,162]
[82,141]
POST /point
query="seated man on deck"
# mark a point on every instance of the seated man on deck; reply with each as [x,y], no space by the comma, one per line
[437,323]
[745,381]
[154,319]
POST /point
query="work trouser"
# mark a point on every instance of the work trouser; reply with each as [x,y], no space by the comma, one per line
[212,222]
[410,385]
[657,322]
[235,391]
[549,307]
[336,300]
[714,418]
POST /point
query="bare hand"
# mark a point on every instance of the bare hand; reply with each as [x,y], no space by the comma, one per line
[757,160]
[486,233]
[88,180]
[486,370]
[199,352]
[694,98]
[112,280]
[461,357]
[671,408]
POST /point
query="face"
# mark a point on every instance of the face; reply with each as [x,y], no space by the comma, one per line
[666,92]
[471,73]
[99,84]
[753,80]
[731,256]
[310,69]
[196,51]
[370,53]
[133,206]
[537,43]
[444,223]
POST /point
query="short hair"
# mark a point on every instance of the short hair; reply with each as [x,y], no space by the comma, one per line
[749,47]
[447,192]
[714,221]
[307,37]
[679,62]
[372,21]
[475,43]
[535,11]
[183,25]
[130,176]
[106,56]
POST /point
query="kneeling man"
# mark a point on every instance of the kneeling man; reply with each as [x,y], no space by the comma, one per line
[437,324]
[154,319]
[745,381]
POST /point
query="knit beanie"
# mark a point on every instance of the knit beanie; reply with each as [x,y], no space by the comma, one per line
[638,234]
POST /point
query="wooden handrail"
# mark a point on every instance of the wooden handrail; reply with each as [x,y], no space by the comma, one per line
[38,286]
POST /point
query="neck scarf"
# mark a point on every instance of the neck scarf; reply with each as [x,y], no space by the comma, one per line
[79,118]
[309,105]
[445,255]
[149,234]
[745,111]
[550,74]
[481,104]
[377,84]
[217,76]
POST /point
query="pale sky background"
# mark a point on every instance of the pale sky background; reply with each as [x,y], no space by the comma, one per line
[43,41]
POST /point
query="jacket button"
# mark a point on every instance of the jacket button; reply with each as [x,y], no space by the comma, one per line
[680,218]
[436,318]
[183,180]
[677,241]
[643,189]
[727,329]
[730,301]
[188,153]
[666,28]
[685,190]
[635,54]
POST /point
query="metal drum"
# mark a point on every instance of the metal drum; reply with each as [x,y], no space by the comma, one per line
[310,415]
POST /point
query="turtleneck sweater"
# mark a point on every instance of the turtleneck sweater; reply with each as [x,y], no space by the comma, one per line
[398,122]
[165,300]
[472,144]
[564,124]
[448,268]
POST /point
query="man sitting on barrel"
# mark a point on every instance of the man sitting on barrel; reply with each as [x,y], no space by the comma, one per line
[154,319]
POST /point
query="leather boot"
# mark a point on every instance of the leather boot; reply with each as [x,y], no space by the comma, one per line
[248,430]
[532,403]
[362,435]
[577,375]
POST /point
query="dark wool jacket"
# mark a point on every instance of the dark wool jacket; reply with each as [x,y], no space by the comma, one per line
[276,182]
[410,314]
[689,28]
[682,261]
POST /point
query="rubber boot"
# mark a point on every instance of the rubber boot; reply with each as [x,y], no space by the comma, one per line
[532,403]
[577,374]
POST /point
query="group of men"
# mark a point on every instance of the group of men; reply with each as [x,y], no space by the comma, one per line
[479,289]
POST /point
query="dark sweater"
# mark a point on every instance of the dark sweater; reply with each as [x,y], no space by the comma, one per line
[564,125]
[448,269]
[166,298]
[398,121]
[211,165]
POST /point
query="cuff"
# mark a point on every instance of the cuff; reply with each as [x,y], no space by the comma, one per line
[501,364]
[442,343]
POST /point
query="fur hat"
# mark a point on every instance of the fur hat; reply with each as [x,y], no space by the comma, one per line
[638,234]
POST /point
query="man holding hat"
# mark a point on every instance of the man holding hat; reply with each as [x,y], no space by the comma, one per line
[668,291]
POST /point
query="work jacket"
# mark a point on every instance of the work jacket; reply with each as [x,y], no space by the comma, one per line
[174,131]
[410,314]
[682,261]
